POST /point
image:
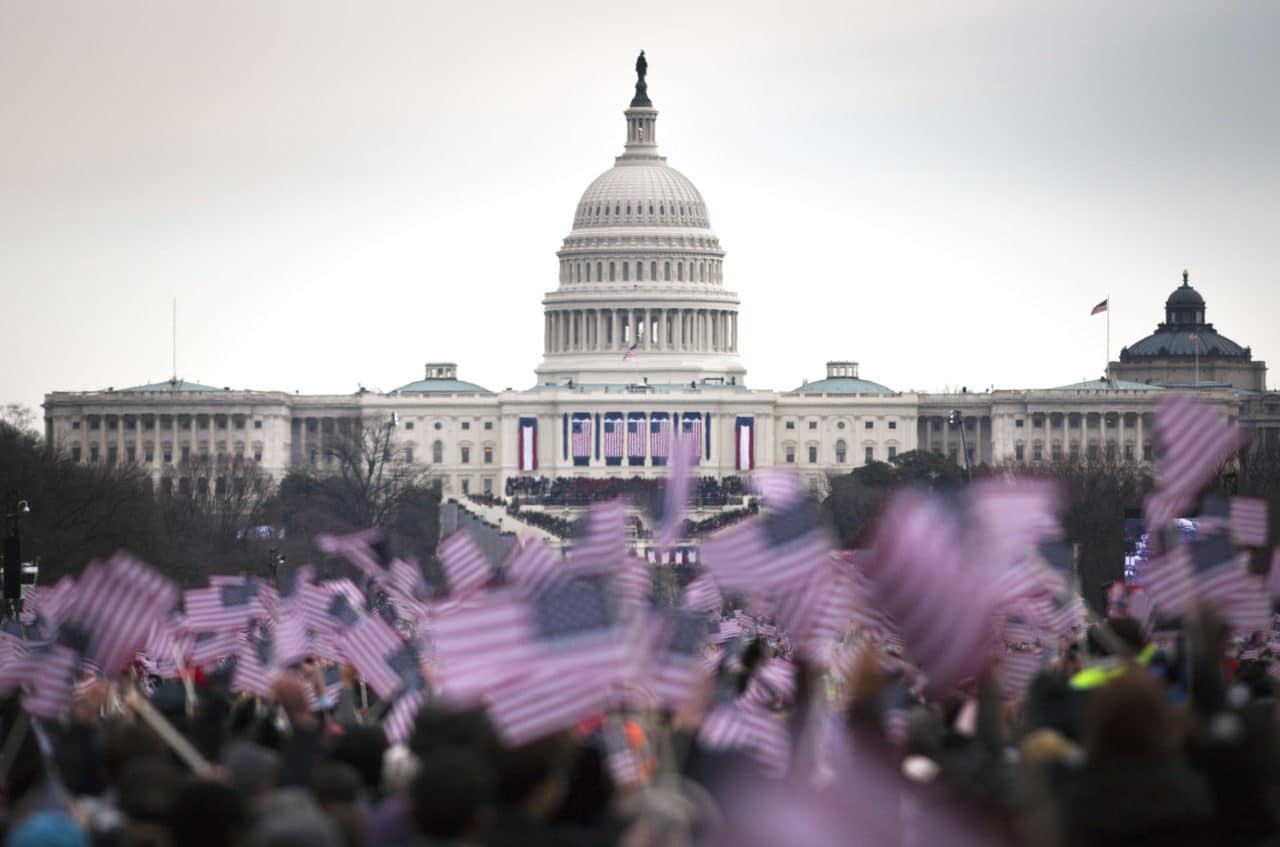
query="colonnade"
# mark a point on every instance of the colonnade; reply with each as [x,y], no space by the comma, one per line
[653,329]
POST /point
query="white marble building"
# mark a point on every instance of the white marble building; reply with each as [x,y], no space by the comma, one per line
[640,333]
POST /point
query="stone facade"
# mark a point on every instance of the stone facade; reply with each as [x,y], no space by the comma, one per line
[640,334]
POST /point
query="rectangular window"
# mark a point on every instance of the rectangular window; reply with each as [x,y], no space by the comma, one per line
[149,456]
[1037,453]
[408,424]
[870,454]
[466,455]
[466,424]
[111,455]
[186,453]
[488,486]
[131,454]
[93,424]
[488,424]
[893,453]
[1146,452]
[239,423]
[93,455]
[168,457]
[257,455]
[1128,452]
[1018,452]
[257,424]
[813,455]
[111,424]
[868,424]
[408,455]
[1018,423]
[1037,422]
[790,424]
[75,424]
[75,453]
[791,455]
[813,424]
[893,424]
[488,455]
[969,424]
[466,486]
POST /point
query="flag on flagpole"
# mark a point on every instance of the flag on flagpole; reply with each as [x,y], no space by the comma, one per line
[1101,307]
[631,351]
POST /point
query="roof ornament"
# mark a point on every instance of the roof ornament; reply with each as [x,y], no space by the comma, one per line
[642,89]
[1185,275]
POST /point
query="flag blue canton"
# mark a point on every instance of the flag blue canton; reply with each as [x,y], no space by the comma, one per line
[575,608]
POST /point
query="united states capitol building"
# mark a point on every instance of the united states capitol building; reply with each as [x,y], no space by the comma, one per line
[640,340]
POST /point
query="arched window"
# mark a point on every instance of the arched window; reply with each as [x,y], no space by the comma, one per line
[666,271]
[588,271]
[611,272]
[702,272]
[628,208]
[606,211]
[437,452]
[597,211]
[653,270]
[579,271]
[662,209]
[600,271]
[680,271]
[626,272]
[617,210]
[651,209]
[640,270]
[841,452]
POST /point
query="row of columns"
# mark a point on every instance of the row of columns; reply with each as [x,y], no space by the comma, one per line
[626,270]
[661,330]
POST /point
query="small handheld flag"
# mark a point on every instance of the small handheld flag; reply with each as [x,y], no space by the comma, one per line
[631,351]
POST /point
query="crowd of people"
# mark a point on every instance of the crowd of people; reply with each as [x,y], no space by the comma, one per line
[708,491]
[1116,741]
[718,521]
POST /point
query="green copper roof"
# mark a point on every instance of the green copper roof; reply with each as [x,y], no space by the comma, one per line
[843,385]
[442,386]
[1107,385]
[173,385]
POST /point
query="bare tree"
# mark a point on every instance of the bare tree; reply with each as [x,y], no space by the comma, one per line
[365,479]
[20,417]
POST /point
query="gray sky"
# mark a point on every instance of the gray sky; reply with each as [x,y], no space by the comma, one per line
[337,192]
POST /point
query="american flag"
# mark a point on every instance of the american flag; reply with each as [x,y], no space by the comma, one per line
[255,661]
[358,549]
[466,567]
[1195,440]
[691,429]
[13,654]
[669,508]
[773,683]
[701,595]
[116,604]
[379,655]
[659,438]
[630,352]
[169,644]
[482,645]
[751,730]
[221,608]
[1247,521]
[679,667]
[1018,667]
[50,673]
[917,568]
[534,565]
[574,628]
[602,545]
[613,426]
[783,554]
[398,724]
[211,646]
[730,629]
[581,438]
[635,437]
[537,706]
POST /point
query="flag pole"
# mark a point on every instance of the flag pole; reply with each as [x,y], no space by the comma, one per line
[1106,366]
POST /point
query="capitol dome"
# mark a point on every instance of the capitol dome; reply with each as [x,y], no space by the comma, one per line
[641,298]
[641,193]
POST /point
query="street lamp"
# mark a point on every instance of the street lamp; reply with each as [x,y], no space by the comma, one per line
[957,420]
[15,508]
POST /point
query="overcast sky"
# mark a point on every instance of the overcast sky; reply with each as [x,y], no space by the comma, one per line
[339,192]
